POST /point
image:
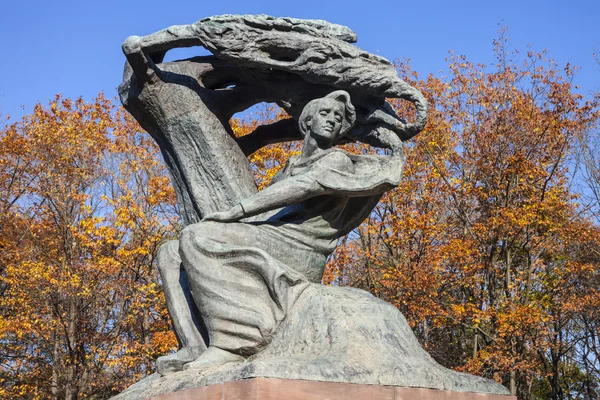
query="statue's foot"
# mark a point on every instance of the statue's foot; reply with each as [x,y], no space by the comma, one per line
[174,362]
[213,357]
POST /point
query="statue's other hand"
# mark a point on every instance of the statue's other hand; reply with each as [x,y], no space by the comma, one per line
[234,214]
[132,45]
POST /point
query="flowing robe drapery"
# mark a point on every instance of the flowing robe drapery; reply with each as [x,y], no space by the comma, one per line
[245,276]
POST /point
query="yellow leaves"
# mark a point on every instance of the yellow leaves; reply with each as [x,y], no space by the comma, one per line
[479,244]
[458,309]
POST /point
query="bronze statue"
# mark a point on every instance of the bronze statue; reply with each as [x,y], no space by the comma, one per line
[242,283]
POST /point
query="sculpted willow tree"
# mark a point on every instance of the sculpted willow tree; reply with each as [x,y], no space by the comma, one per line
[242,283]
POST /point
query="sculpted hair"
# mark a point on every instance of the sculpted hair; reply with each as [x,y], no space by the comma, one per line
[312,107]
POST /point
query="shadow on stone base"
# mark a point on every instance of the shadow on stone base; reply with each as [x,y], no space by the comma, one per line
[278,389]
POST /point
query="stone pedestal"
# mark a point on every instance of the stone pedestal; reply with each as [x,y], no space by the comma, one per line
[279,389]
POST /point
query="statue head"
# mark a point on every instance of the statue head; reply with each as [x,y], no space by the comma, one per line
[329,118]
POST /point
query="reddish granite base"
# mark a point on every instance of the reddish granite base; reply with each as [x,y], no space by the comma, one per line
[283,389]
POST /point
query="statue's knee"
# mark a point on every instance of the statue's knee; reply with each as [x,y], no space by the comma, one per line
[207,229]
[218,231]
[188,233]
[168,258]
[188,236]
[201,235]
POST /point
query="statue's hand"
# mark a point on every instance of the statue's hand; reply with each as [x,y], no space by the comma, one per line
[234,214]
[132,45]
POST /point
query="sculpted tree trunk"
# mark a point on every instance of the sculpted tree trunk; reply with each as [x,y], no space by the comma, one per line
[209,171]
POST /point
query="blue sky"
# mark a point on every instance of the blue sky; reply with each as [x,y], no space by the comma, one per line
[73,47]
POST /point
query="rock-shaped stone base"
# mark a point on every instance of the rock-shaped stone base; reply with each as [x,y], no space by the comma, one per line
[333,334]
[277,389]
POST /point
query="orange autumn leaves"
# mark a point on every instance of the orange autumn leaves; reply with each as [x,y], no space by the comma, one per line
[85,202]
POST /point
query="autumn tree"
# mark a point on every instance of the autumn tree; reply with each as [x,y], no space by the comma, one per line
[85,202]
[482,246]
[587,324]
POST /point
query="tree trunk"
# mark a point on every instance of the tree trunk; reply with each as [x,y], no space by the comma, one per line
[512,386]
[208,169]
[54,389]
[71,384]
[146,326]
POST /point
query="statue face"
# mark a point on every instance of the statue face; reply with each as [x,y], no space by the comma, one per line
[326,123]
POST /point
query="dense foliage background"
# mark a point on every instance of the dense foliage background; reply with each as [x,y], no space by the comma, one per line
[490,246]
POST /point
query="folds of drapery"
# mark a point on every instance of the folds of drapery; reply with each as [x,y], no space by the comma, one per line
[242,291]
[245,276]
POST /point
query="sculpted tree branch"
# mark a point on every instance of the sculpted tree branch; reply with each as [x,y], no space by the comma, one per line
[281,131]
